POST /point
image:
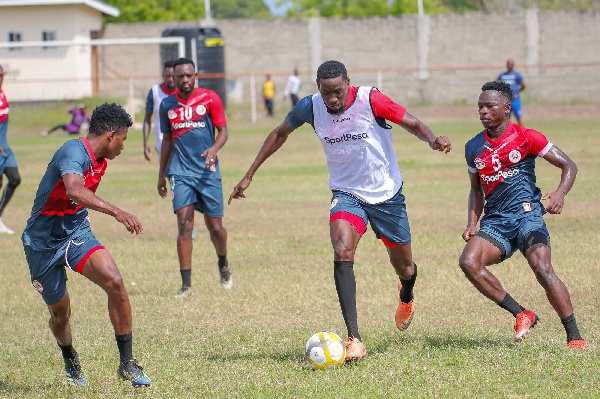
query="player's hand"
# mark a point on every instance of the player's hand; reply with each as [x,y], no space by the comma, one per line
[238,191]
[441,144]
[557,202]
[469,233]
[162,186]
[210,155]
[132,223]
[147,152]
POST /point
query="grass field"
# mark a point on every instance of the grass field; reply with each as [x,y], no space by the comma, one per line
[249,342]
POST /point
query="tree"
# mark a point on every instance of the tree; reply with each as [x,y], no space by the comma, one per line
[360,8]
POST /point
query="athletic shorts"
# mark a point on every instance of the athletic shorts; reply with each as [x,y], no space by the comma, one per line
[508,234]
[389,220]
[515,108]
[7,160]
[206,194]
[73,254]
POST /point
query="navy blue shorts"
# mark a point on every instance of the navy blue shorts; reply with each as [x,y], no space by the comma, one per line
[73,254]
[388,219]
[206,194]
[508,234]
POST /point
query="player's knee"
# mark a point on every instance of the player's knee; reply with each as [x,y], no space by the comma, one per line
[114,285]
[468,264]
[342,251]
[14,181]
[59,318]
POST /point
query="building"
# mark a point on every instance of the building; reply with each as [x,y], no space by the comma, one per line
[55,58]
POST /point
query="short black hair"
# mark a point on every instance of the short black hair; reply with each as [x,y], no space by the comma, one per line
[183,61]
[502,87]
[169,64]
[331,69]
[108,117]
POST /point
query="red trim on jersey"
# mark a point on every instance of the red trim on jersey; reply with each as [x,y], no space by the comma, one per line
[356,221]
[383,106]
[164,88]
[79,266]
[3,106]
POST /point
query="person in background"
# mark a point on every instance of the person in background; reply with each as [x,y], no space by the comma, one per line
[269,95]
[292,88]
[80,117]
[517,84]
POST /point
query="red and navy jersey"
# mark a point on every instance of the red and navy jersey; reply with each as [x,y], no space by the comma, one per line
[192,125]
[506,168]
[4,109]
[54,217]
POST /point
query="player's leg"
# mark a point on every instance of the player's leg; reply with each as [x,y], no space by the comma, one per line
[185,245]
[14,179]
[218,236]
[538,254]
[406,269]
[101,269]
[63,127]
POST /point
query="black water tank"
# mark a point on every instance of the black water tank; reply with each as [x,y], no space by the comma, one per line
[209,57]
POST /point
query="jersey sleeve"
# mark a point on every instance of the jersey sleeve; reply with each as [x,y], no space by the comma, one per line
[385,108]
[71,158]
[217,112]
[301,113]
[150,102]
[538,143]
[165,124]
[470,157]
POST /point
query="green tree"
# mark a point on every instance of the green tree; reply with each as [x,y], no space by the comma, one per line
[360,8]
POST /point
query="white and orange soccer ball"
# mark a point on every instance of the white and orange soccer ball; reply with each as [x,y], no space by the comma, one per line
[325,350]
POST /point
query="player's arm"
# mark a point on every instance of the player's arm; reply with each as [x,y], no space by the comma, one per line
[146,130]
[424,133]
[165,154]
[210,154]
[273,142]
[78,193]
[567,178]
[475,206]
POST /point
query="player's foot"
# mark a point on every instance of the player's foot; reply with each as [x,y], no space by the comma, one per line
[184,291]
[526,320]
[225,277]
[355,350]
[44,133]
[405,312]
[133,372]
[4,229]
[74,374]
[577,344]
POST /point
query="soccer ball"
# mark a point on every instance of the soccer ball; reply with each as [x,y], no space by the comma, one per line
[325,350]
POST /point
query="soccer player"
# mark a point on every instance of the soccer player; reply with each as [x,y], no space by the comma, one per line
[188,120]
[155,96]
[292,88]
[58,234]
[364,178]
[8,162]
[501,164]
[517,84]
[80,116]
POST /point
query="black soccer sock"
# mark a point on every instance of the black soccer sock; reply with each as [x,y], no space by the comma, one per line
[186,277]
[125,344]
[571,328]
[508,303]
[345,285]
[222,261]
[68,352]
[406,293]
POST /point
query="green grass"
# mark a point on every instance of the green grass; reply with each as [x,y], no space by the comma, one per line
[249,342]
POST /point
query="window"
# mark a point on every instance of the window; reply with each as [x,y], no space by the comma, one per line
[47,36]
[14,37]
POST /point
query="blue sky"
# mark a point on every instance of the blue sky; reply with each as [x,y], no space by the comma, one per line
[275,10]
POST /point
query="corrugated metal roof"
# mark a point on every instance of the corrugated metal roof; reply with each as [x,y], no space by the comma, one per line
[98,5]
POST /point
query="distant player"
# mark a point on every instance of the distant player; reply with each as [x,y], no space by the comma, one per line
[364,178]
[517,84]
[157,93]
[501,163]
[58,235]
[79,117]
[188,120]
[8,162]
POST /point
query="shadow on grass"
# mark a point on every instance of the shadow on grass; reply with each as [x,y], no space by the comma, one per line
[7,388]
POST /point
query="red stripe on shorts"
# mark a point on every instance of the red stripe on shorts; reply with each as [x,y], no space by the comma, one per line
[387,243]
[79,266]
[356,221]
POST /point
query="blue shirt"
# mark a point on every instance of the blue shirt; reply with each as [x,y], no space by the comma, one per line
[514,79]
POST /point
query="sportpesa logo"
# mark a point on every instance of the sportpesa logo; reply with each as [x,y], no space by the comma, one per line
[188,124]
[499,175]
[346,137]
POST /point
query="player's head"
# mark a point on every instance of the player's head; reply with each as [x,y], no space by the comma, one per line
[1,76]
[494,104]
[81,107]
[111,120]
[185,75]
[333,82]
[510,64]
[168,75]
